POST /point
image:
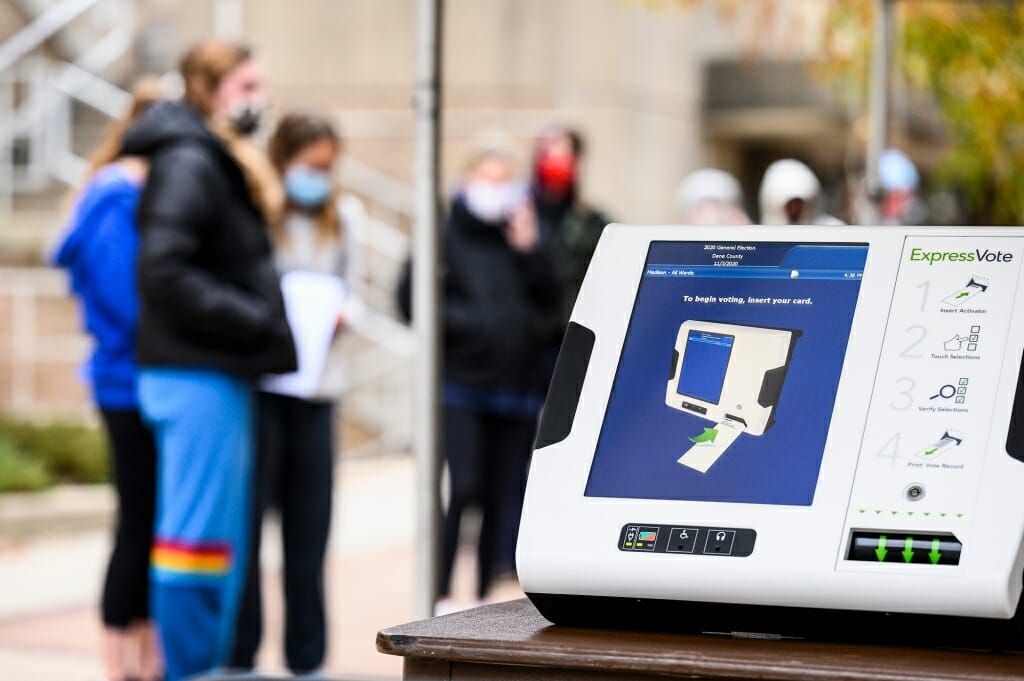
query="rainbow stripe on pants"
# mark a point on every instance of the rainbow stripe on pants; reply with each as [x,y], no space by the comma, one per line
[182,558]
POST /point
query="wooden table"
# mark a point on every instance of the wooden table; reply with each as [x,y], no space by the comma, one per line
[512,641]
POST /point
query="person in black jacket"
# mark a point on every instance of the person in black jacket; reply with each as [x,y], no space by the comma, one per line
[501,300]
[211,320]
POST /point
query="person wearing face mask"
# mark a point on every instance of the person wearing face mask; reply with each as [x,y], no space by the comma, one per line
[569,226]
[211,321]
[500,292]
[791,195]
[317,233]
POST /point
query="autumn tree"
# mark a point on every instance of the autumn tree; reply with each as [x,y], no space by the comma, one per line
[968,55]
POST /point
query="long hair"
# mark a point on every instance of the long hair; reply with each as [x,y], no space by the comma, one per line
[297,131]
[146,92]
[203,67]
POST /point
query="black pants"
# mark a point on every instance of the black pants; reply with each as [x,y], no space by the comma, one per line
[488,456]
[133,457]
[294,472]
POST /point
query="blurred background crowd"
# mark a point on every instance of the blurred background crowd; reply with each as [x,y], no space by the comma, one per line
[147,170]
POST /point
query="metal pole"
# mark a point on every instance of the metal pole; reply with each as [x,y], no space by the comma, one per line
[881,58]
[425,303]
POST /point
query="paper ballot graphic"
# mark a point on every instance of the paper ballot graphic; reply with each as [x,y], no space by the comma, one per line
[974,287]
[949,439]
[711,444]
[731,375]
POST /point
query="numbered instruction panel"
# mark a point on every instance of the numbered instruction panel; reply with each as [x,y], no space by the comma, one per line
[930,419]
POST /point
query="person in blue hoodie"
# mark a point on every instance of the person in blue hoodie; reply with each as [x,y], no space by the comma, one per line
[99,251]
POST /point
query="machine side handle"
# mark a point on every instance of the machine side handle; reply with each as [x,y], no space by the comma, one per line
[1015,434]
[672,366]
[559,410]
[771,386]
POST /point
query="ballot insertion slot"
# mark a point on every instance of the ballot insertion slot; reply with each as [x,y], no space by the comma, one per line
[923,548]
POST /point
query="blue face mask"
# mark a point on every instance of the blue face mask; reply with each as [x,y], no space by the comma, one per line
[307,187]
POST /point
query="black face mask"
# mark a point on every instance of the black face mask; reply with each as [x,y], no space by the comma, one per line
[245,119]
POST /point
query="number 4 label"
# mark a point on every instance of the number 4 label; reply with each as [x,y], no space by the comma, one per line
[891,449]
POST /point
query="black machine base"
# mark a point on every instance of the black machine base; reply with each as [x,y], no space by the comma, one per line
[847,626]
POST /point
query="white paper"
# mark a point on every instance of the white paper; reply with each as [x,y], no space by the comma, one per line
[937,448]
[312,302]
[965,294]
[703,455]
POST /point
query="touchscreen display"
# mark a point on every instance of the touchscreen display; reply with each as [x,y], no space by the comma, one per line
[728,375]
[704,365]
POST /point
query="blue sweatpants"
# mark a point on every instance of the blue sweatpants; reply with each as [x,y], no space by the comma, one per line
[203,422]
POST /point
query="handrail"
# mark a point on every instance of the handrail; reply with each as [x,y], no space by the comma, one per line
[70,80]
[387,191]
[87,87]
[41,29]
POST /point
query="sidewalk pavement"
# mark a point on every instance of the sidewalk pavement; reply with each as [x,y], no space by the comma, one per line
[49,584]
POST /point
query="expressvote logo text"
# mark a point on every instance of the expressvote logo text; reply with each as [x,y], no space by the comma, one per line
[979,255]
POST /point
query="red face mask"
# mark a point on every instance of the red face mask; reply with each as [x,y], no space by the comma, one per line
[556,172]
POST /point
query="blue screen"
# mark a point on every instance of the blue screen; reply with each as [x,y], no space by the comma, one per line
[810,289]
[705,359]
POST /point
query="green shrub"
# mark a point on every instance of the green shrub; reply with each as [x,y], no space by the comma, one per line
[68,451]
[19,472]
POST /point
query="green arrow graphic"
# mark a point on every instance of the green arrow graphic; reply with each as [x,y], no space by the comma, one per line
[881,550]
[929,452]
[908,549]
[963,294]
[708,435]
[935,555]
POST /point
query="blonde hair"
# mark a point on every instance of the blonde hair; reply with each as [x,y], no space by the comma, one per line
[297,131]
[202,68]
[146,92]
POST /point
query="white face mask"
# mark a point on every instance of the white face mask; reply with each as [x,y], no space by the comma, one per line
[492,201]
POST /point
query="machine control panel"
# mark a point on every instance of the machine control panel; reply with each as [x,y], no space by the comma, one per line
[686,539]
[930,420]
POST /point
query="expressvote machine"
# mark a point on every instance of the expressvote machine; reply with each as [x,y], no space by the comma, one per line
[808,431]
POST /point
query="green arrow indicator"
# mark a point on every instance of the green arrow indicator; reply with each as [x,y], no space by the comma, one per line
[908,549]
[963,294]
[708,436]
[881,550]
[935,555]
[929,452]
